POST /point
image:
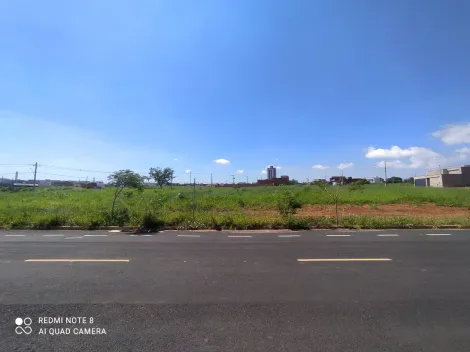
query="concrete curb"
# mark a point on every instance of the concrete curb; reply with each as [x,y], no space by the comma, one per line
[117,229]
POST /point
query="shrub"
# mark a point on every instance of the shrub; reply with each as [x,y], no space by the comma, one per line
[287,203]
[294,223]
[46,223]
[121,217]
[147,221]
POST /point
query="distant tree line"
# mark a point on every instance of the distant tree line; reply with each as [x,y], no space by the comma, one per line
[396,179]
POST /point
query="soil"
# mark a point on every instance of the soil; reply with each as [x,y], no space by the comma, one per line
[409,210]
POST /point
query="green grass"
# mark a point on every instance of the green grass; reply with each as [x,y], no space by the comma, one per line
[226,207]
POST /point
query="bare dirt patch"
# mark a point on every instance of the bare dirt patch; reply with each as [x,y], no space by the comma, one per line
[422,211]
[405,210]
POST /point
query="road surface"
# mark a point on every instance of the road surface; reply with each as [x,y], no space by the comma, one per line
[180,291]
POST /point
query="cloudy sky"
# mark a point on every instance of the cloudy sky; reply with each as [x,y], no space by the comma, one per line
[228,88]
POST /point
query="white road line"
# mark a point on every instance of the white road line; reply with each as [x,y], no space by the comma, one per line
[288,235]
[95,235]
[388,235]
[78,260]
[438,234]
[147,235]
[338,235]
[240,236]
[52,235]
[71,238]
[345,260]
[14,235]
[189,235]
[114,231]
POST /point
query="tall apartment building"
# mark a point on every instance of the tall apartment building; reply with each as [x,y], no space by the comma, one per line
[271,172]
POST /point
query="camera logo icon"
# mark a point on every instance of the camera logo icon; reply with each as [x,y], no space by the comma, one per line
[23,326]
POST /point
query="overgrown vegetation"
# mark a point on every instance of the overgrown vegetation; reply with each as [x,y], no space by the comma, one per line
[227,208]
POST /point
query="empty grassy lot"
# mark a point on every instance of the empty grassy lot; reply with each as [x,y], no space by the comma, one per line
[242,208]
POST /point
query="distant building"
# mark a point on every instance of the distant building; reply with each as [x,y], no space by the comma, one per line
[458,176]
[320,180]
[338,180]
[59,183]
[5,181]
[283,180]
[24,185]
[44,183]
[343,180]
[89,185]
[271,172]
[375,180]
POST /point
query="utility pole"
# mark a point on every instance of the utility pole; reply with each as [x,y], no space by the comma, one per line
[247,179]
[194,196]
[190,177]
[385,173]
[233,179]
[211,179]
[35,170]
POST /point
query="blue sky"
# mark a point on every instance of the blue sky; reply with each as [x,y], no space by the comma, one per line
[106,85]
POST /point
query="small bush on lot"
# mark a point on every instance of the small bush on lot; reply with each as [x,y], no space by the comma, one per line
[147,221]
[46,223]
[192,225]
[294,223]
[287,203]
[121,217]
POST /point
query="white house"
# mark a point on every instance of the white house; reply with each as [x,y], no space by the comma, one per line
[375,180]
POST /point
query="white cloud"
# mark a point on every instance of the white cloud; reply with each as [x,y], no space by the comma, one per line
[320,167]
[239,172]
[454,134]
[396,164]
[465,150]
[418,157]
[187,171]
[278,167]
[345,166]
[395,152]
[222,161]
[263,171]
[176,159]
[426,162]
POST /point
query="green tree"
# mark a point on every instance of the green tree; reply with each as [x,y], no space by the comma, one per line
[356,186]
[361,181]
[122,179]
[162,177]
[395,179]
[334,192]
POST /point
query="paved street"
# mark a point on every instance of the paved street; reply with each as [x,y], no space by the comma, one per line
[237,291]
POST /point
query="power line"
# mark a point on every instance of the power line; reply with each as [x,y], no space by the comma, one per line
[69,168]
[17,164]
[46,173]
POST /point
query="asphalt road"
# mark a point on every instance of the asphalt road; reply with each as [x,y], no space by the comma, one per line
[177,291]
